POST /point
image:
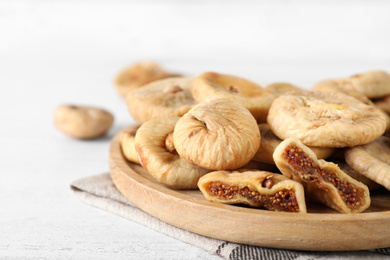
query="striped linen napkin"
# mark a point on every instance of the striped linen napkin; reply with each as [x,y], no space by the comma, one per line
[99,191]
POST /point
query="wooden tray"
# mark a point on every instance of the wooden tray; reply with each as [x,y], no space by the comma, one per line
[319,229]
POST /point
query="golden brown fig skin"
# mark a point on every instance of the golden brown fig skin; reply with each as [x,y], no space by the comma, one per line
[165,166]
[127,140]
[372,160]
[164,98]
[325,119]
[210,86]
[218,135]
[374,84]
[82,122]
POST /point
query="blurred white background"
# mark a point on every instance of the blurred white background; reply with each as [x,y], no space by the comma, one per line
[54,52]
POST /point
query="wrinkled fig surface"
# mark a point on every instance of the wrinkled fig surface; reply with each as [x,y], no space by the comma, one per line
[218,135]
[210,86]
[83,122]
[372,160]
[374,84]
[162,162]
[325,119]
[160,99]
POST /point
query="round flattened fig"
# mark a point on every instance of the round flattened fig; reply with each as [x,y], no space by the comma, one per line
[83,122]
[269,142]
[325,119]
[127,140]
[342,86]
[218,135]
[160,160]
[160,99]
[139,74]
[374,84]
[372,160]
[210,86]
[280,88]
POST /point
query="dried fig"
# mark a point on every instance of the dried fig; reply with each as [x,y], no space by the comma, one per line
[342,86]
[372,160]
[254,188]
[166,166]
[269,142]
[127,140]
[280,88]
[325,119]
[210,86]
[161,99]
[323,181]
[84,122]
[374,84]
[218,135]
[139,74]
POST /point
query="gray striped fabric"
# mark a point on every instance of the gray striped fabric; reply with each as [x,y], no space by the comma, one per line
[99,191]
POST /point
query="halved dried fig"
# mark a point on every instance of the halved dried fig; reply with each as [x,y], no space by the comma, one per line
[127,141]
[166,166]
[323,181]
[325,119]
[139,74]
[218,135]
[210,86]
[372,160]
[372,185]
[280,88]
[254,188]
[269,142]
[161,99]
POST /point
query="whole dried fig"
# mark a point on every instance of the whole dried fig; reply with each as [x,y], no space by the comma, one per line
[161,99]
[374,84]
[325,119]
[84,122]
[157,155]
[372,160]
[139,74]
[210,86]
[218,135]
[342,86]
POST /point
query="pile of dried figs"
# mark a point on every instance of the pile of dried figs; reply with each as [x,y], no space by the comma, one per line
[272,147]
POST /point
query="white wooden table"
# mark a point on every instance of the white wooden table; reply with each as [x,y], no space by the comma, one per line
[55,52]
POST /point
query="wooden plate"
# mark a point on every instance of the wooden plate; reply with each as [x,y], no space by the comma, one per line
[319,229]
